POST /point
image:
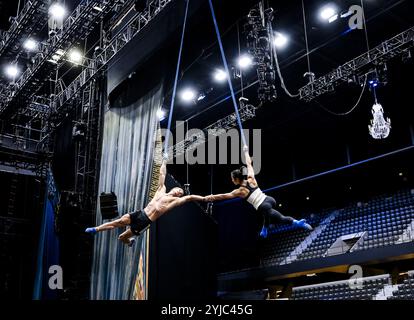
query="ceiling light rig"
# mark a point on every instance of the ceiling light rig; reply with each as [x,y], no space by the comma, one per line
[259,34]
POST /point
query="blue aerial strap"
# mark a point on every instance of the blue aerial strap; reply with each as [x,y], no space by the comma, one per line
[223,56]
[167,137]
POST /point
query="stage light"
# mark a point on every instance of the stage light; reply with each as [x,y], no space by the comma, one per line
[30,44]
[12,71]
[202,96]
[280,40]
[161,114]
[308,198]
[187,95]
[98,8]
[75,56]
[57,11]
[245,61]
[220,75]
[327,13]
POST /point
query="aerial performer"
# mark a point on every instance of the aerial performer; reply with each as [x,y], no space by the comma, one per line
[249,191]
[161,203]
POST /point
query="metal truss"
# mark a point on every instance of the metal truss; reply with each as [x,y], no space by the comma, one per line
[93,66]
[247,112]
[77,26]
[32,16]
[380,54]
[39,108]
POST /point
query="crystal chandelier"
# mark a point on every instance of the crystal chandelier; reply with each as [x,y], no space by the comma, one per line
[379,127]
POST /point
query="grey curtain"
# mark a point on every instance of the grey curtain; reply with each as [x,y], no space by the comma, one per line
[127,159]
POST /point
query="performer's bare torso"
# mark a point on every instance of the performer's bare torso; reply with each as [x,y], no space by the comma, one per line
[160,204]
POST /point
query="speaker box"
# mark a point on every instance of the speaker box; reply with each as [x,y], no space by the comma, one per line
[109,205]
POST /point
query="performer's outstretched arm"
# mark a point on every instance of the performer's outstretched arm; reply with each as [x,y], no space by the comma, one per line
[185,199]
[223,196]
[249,163]
[163,174]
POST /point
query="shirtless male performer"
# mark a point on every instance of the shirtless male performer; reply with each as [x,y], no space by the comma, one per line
[161,203]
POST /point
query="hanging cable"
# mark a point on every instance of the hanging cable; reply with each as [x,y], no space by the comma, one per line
[167,136]
[365,26]
[353,108]
[187,184]
[241,72]
[282,81]
[305,28]
[223,56]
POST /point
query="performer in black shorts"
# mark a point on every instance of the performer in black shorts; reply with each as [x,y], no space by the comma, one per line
[249,190]
[161,203]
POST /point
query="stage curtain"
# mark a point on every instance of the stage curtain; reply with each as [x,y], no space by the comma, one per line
[126,168]
[48,247]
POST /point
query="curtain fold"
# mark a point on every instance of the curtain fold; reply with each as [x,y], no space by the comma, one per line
[48,248]
[126,163]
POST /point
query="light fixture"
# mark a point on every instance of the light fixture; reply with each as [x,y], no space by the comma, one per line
[57,11]
[187,95]
[280,40]
[379,128]
[220,75]
[98,8]
[328,12]
[75,56]
[308,198]
[201,96]
[245,61]
[12,71]
[161,114]
[30,44]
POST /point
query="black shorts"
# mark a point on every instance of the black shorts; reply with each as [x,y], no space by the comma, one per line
[139,221]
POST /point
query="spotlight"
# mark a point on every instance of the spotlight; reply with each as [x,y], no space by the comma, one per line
[161,114]
[202,96]
[75,56]
[12,71]
[220,75]
[188,95]
[57,11]
[327,13]
[280,40]
[30,44]
[245,61]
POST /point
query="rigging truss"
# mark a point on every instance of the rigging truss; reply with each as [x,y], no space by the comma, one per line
[378,55]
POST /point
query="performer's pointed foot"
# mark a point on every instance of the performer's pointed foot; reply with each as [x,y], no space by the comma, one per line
[264,232]
[302,224]
[91,230]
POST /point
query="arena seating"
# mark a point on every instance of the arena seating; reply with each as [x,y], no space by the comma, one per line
[343,290]
[284,239]
[383,220]
[405,290]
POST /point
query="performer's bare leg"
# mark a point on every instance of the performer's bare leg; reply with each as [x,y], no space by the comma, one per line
[118,223]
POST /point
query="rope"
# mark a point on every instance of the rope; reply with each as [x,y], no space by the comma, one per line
[353,108]
[279,72]
[223,56]
[305,29]
[167,136]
